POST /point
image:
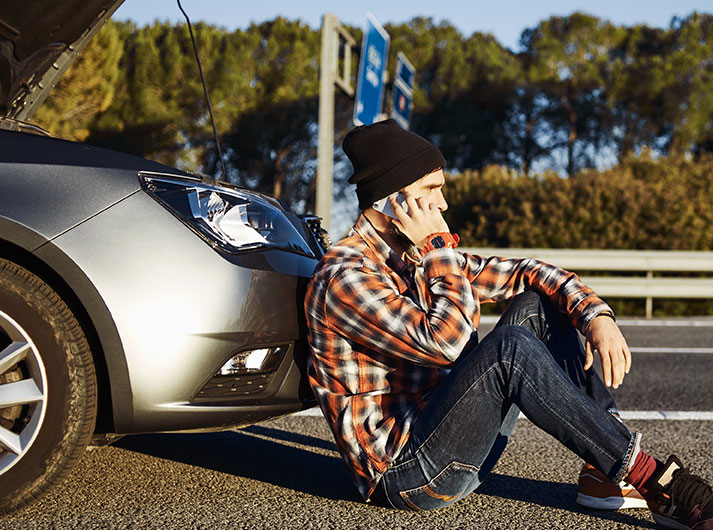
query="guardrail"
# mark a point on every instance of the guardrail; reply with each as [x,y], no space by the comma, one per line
[647,262]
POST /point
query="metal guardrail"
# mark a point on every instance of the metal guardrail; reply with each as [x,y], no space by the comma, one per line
[647,262]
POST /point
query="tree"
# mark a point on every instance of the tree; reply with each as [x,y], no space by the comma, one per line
[159,111]
[464,91]
[86,89]
[271,144]
[567,62]
[692,60]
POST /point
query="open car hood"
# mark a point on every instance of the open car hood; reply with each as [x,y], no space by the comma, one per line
[39,39]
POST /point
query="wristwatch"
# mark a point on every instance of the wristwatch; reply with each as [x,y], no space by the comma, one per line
[441,240]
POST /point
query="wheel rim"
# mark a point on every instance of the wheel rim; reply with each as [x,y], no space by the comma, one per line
[23,392]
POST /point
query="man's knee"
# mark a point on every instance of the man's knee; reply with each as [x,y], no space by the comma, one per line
[529,310]
[513,332]
[529,297]
[513,338]
[517,346]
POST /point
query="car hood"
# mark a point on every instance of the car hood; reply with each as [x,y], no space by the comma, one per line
[39,39]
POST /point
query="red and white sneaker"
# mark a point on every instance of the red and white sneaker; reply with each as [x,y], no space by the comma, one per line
[598,492]
[681,500]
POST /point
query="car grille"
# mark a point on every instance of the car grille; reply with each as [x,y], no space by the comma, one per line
[239,380]
[231,387]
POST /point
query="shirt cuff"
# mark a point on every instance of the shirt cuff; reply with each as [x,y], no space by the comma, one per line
[592,311]
[442,261]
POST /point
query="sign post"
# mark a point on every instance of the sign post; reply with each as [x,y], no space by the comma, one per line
[332,35]
[372,67]
[402,93]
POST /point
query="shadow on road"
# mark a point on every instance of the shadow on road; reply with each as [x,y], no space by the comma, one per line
[250,454]
[293,437]
[261,453]
[553,495]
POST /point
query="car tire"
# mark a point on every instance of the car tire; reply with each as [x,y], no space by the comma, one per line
[48,389]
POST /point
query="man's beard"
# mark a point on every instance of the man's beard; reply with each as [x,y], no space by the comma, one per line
[399,237]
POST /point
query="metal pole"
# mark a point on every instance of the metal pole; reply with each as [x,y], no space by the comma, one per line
[325,146]
[649,299]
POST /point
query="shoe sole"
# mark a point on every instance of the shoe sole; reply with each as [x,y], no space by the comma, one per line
[668,522]
[611,503]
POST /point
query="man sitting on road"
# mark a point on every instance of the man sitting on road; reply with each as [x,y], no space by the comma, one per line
[420,410]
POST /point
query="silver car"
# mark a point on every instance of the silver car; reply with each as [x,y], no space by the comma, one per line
[134,297]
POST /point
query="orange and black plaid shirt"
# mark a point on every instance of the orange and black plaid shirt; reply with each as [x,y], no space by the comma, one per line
[383,334]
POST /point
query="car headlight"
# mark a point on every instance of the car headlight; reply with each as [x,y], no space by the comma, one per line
[232,219]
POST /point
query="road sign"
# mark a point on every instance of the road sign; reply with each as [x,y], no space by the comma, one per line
[372,65]
[405,71]
[402,93]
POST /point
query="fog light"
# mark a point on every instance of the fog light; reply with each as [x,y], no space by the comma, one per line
[250,361]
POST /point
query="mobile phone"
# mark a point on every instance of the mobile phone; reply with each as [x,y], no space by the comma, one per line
[384,206]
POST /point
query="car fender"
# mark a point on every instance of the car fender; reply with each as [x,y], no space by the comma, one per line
[34,251]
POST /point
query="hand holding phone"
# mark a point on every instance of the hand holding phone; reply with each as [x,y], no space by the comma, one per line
[384,206]
[423,217]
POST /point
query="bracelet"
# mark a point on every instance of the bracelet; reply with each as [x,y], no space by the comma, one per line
[606,313]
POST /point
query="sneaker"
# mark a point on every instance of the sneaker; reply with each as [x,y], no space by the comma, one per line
[598,492]
[681,500]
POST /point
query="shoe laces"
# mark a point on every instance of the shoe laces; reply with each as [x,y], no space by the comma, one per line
[690,490]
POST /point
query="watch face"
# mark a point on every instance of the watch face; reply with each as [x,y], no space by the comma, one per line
[438,242]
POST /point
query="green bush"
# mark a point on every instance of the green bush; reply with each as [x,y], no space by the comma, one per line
[664,204]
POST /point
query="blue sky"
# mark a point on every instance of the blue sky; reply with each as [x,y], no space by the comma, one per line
[505,19]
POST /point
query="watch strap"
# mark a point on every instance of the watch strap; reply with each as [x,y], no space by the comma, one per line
[441,240]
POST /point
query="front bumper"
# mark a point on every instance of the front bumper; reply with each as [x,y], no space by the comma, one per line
[181,310]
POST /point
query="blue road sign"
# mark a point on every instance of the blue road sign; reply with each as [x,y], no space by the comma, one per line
[372,65]
[401,106]
[404,70]
[402,93]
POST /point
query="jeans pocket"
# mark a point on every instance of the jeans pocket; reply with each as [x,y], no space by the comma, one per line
[454,482]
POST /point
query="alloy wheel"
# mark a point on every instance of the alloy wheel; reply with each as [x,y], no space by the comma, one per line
[23,392]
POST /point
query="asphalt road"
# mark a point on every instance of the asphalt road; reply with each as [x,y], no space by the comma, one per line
[286,473]
[662,378]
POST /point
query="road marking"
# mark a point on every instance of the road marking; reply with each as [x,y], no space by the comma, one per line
[707,323]
[671,415]
[704,323]
[313,412]
[695,415]
[659,349]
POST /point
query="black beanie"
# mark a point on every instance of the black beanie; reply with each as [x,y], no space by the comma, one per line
[387,158]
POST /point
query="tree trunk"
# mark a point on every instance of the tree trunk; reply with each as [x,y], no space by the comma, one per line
[528,154]
[279,177]
[571,139]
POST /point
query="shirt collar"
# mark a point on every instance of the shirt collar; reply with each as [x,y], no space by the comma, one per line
[376,243]
[372,238]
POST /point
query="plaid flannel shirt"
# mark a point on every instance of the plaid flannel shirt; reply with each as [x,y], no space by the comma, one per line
[383,334]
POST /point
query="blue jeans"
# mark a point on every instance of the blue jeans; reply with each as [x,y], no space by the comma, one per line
[531,362]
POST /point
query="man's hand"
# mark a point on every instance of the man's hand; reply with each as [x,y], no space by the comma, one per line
[421,220]
[604,335]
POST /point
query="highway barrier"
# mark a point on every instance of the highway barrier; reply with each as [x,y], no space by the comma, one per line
[660,270]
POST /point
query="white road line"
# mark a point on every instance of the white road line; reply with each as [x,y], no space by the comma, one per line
[659,349]
[313,412]
[696,415]
[690,415]
[705,322]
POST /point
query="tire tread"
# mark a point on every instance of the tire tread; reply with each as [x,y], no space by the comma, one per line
[79,356]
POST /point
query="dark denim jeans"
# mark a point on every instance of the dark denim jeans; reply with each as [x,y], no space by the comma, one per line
[531,362]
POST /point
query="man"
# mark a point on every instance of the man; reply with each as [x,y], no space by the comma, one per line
[420,410]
